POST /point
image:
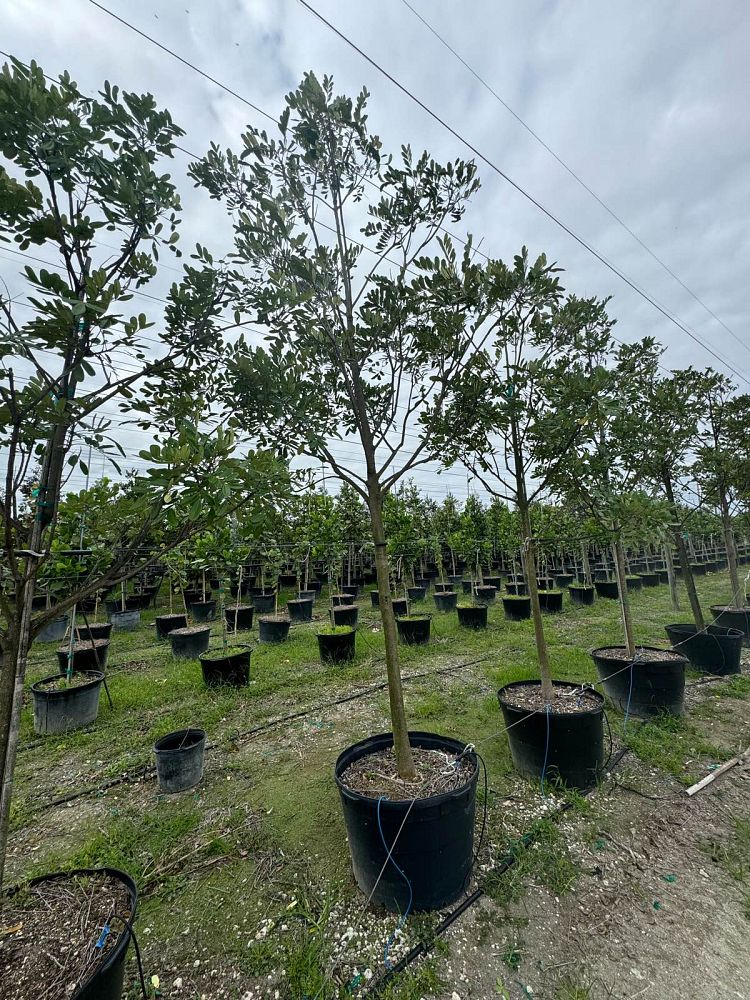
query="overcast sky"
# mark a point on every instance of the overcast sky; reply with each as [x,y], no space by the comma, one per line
[646,101]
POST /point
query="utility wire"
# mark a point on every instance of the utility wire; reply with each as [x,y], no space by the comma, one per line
[572,172]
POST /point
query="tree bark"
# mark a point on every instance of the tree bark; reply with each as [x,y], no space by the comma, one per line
[738,596]
[622,587]
[682,555]
[673,592]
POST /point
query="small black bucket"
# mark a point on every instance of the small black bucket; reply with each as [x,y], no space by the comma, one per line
[179,760]
[607,588]
[337,647]
[446,601]
[345,614]
[551,600]
[375,598]
[264,603]
[352,589]
[414,631]
[643,688]
[517,609]
[168,623]
[738,618]
[435,845]
[473,617]
[418,593]
[273,628]
[243,615]
[574,751]
[716,650]
[95,630]
[400,606]
[485,594]
[581,595]
[230,669]
[202,611]
[300,610]
[189,643]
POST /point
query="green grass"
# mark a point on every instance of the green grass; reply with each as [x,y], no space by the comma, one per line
[546,860]
[668,742]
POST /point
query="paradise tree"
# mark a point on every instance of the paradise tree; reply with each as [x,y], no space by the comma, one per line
[357,347]
[77,171]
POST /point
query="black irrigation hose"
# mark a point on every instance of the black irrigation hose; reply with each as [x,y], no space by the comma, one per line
[504,865]
[150,770]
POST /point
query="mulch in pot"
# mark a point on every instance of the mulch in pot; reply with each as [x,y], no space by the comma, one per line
[50,932]
[564,701]
[376,774]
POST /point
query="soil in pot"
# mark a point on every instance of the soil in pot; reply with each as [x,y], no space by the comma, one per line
[96,630]
[168,623]
[202,611]
[730,617]
[516,607]
[300,610]
[414,630]
[652,683]
[179,760]
[61,705]
[434,847]
[189,643]
[607,588]
[62,916]
[570,738]
[242,613]
[87,655]
[473,617]
[551,600]
[273,628]
[226,667]
[345,614]
[446,601]
[716,649]
[581,594]
[336,644]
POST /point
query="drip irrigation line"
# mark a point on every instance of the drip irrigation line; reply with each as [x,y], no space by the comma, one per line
[507,862]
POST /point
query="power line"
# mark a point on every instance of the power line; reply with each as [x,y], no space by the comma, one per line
[572,172]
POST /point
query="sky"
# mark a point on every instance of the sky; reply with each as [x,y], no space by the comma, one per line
[645,102]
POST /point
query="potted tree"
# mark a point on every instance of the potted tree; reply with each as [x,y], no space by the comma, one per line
[356,351]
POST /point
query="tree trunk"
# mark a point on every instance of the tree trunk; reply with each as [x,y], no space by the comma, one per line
[673,593]
[738,595]
[622,587]
[682,554]
[585,563]
[402,749]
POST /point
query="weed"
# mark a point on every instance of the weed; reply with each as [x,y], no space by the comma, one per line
[668,741]
[545,860]
[572,987]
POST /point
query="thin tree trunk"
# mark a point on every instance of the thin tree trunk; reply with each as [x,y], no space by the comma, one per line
[673,592]
[586,563]
[622,588]
[404,759]
[738,596]
[682,555]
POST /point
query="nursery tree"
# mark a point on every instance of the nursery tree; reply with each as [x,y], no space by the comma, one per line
[329,231]
[76,171]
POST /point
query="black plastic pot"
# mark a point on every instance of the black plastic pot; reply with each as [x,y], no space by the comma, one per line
[96,630]
[467,586]
[698,569]
[647,688]
[516,589]
[581,595]
[634,582]
[433,846]
[202,611]
[337,647]
[650,579]
[179,760]
[414,630]
[717,650]
[137,602]
[443,588]
[738,618]
[39,603]
[574,750]
[663,575]
[351,589]
[607,588]
[422,581]
[456,579]
[563,580]
[493,581]
[264,603]
[53,631]
[168,623]
[190,597]
[420,593]
[107,981]
[375,598]
[400,606]
[307,595]
[345,614]
[545,583]
[125,621]
[300,610]
[551,600]
[338,599]
[287,579]
[244,617]
[473,617]
[70,708]
[230,669]
[485,594]
[87,657]
[189,643]
[446,601]
[517,609]
[273,628]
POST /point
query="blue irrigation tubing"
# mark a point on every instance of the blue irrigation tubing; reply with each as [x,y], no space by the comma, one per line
[547,711]
[389,857]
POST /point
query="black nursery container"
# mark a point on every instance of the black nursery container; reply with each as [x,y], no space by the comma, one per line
[515,588]
[338,646]
[273,628]
[563,580]
[574,750]
[607,588]
[484,593]
[228,669]
[264,603]
[446,601]
[414,630]
[738,618]
[650,579]
[338,599]
[435,845]
[581,595]
[717,650]
[300,610]
[551,600]
[107,981]
[467,586]
[138,602]
[345,614]
[179,760]
[517,609]
[400,606]
[242,615]
[87,655]
[60,711]
[419,593]
[375,598]
[473,617]
[647,687]
[168,623]
[202,611]
[443,588]
[95,630]
[350,589]
[189,643]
